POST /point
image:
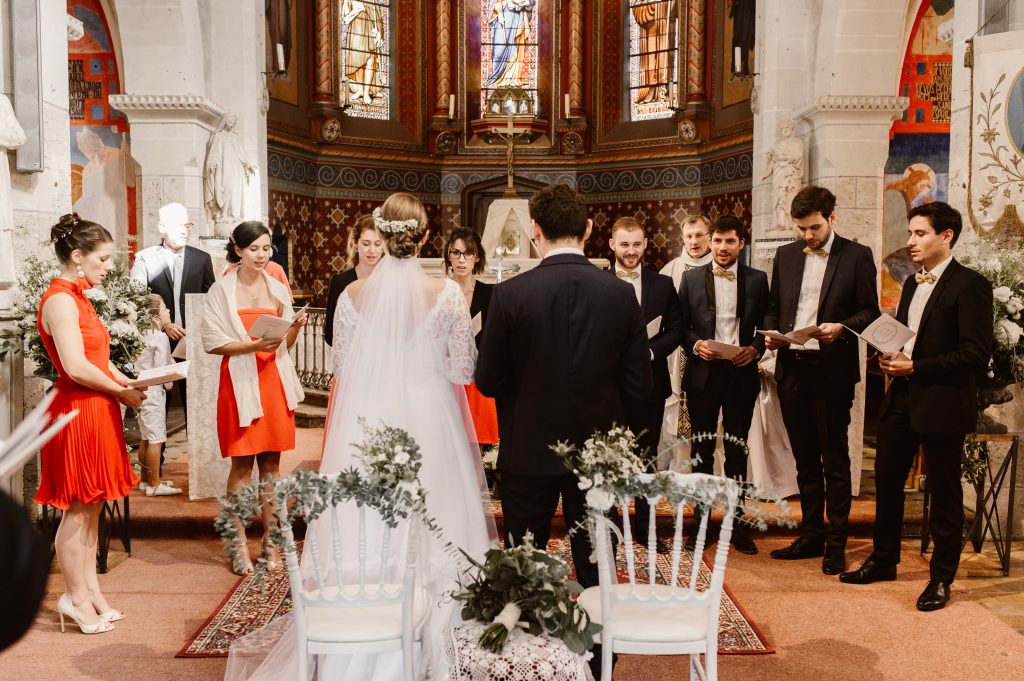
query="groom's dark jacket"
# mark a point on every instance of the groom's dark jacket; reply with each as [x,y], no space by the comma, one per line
[563,348]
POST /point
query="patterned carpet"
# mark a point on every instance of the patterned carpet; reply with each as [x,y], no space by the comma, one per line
[251,605]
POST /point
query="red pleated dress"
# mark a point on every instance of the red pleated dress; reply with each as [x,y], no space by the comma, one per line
[87,461]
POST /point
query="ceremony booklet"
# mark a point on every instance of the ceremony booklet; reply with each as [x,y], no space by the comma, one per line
[724,350]
[34,431]
[477,323]
[885,334]
[158,375]
[269,326]
[653,327]
[797,337]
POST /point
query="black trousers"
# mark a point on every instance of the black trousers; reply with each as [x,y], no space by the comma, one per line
[731,392]
[645,417]
[897,444]
[817,415]
[529,502]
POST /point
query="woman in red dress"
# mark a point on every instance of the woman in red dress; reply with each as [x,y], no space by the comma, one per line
[86,463]
[464,259]
[259,388]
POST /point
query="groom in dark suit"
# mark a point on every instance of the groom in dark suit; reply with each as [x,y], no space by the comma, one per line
[658,300]
[932,401]
[723,301]
[826,281]
[563,351]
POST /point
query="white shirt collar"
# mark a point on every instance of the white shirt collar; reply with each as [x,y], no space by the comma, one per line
[619,268]
[563,251]
[828,244]
[938,269]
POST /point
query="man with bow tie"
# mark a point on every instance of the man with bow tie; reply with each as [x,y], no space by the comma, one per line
[723,301]
[657,298]
[830,282]
[932,400]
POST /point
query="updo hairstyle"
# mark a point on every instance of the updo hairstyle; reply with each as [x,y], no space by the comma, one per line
[354,235]
[242,236]
[401,206]
[72,233]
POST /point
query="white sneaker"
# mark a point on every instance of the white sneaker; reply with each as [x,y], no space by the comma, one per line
[162,490]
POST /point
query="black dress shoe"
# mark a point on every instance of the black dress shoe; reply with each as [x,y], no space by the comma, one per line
[801,548]
[934,597]
[834,561]
[869,572]
[742,542]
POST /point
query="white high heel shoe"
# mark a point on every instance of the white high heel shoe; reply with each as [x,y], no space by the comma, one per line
[112,615]
[66,608]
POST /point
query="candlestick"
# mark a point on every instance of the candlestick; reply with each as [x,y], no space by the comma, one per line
[280,57]
[451,107]
[737,59]
[567,104]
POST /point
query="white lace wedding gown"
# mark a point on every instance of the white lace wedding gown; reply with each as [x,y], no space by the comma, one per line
[397,354]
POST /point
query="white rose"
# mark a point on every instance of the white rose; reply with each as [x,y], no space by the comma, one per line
[599,499]
[402,457]
[585,483]
[598,479]
[1002,293]
[1008,333]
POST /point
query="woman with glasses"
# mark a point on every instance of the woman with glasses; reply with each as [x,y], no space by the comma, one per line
[464,259]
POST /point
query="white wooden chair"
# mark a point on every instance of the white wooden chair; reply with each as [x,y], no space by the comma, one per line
[663,619]
[352,606]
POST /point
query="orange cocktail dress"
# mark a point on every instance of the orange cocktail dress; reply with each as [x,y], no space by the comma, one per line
[272,432]
[87,461]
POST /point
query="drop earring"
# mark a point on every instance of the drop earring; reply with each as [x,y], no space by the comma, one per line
[80,273]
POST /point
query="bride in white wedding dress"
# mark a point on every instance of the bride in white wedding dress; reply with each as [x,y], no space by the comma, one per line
[402,340]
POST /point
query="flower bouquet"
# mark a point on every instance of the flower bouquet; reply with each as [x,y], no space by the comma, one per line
[121,304]
[529,587]
[1004,268]
[608,467]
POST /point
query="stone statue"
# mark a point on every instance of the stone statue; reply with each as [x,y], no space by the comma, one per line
[11,137]
[226,175]
[785,165]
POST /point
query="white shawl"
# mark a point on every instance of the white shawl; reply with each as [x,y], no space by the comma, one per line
[222,325]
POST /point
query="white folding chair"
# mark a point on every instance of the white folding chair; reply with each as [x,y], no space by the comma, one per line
[351,606]
[663,619]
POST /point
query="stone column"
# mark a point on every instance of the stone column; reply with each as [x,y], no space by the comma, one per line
[443,32]
[696,67]
[574,86]
[324,87]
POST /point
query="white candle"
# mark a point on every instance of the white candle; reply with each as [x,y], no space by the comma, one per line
[451,106]
[567,103]
[738,59]
[280,57]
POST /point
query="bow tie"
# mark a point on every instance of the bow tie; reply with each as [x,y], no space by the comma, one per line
[820,252]
[627,275]
[719,272]
[924,278]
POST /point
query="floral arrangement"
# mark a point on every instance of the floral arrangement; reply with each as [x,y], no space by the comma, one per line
[1004,268]
[610,471]
[388,482]
[522,585]
[121,304]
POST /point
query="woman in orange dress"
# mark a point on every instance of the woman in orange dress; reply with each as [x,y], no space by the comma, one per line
[464,259]
[259,388]
[86,463]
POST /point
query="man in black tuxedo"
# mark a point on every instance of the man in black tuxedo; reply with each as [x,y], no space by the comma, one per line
[932,400]
[658,300]
[723,301]
[172,269]
[564,350]
[826,281]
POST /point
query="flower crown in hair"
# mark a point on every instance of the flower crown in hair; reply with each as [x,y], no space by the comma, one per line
[66,226]
[393,226]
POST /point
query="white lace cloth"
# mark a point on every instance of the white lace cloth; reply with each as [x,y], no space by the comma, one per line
[525,657]
[449,326]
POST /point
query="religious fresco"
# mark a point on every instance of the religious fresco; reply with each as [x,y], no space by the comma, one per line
[917,170]
[508,47]
[365,47]
[102,170]
[653,31]
[282,30]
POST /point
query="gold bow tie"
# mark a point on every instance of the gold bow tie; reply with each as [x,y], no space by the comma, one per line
[627,275]
[820,252]
[719,272]
[924,278]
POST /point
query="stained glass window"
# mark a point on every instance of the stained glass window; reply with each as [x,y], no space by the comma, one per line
[652,58]
[365,47]
[508,48]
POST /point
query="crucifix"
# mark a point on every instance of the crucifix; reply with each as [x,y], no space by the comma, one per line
[510,135]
